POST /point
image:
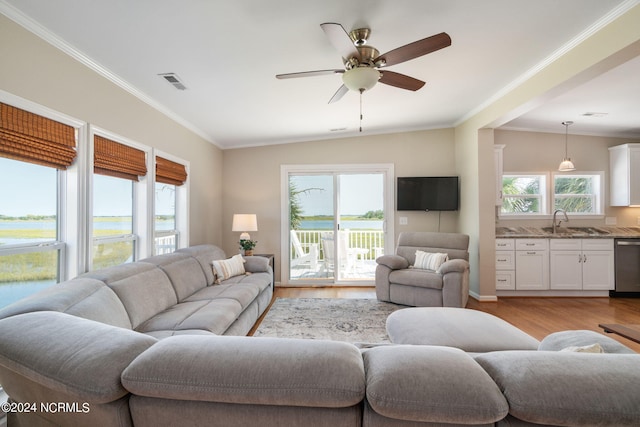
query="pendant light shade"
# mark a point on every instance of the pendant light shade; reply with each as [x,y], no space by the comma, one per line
[566,165]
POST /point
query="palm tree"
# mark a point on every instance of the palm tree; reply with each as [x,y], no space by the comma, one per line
[520,186]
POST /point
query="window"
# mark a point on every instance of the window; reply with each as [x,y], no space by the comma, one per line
[523,194]
[113,238]
[118,168]
[170,227]
[35,151]
[533,194]
[578,194]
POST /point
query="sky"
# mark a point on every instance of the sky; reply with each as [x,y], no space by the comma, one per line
[33,192]
[358,193]
[32,189]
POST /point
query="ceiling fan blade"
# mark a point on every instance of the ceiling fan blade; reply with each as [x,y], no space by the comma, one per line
[308,74]
[340,40]
[339,94]
[400,80]
[415,49]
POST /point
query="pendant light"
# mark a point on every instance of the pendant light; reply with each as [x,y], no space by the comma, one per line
[566,165]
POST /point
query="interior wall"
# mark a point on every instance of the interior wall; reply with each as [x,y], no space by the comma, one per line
[35,70]
[542,152]
[609,46]
[252,178]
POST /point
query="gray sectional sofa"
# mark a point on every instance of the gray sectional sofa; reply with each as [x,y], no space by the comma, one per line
[151,344]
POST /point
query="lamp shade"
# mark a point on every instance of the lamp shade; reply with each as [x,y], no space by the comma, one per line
[244,223]
[566,165]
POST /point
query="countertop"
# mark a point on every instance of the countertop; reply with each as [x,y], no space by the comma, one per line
[607,232]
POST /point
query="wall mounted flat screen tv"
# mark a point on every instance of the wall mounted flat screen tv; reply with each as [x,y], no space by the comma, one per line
[427,193]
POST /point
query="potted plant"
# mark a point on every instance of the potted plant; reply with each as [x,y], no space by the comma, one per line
[247,245]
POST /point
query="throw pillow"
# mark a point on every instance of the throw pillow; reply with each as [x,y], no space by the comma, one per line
[593,348]
[430,261]
[226,268]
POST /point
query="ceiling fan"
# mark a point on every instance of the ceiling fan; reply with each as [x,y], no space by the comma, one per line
[363,64]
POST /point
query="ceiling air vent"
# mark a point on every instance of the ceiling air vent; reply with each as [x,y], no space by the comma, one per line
[174,80]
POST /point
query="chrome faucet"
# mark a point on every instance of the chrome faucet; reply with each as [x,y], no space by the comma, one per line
[566,219]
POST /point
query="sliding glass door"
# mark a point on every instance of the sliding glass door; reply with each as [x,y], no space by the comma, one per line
[337,223]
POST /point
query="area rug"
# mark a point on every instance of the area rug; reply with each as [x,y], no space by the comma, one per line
[351,320]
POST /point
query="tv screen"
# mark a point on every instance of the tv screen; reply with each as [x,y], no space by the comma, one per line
[428,193]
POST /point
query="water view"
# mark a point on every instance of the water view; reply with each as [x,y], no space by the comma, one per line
[22,274]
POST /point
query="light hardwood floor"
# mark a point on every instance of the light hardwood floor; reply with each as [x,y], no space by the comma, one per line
[536,316]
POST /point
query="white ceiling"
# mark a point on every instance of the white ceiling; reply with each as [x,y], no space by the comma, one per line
[227,53]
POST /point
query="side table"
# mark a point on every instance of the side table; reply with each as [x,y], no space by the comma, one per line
[272,263]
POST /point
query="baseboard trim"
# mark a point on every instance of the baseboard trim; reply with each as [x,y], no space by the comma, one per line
[483,298]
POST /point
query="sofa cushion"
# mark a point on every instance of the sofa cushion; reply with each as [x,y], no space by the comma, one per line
[561,340]
[87,298]
[209,315]
[184,271]
[250,370]
[68,354]
[565,388]
[144,289]
[244,294]
[204,254]
[431,384]
[416,277]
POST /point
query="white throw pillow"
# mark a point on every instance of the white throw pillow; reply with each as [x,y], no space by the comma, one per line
[226,268]
[429,260]
[593,348]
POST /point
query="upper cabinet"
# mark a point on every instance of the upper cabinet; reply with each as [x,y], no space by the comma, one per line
[624,168]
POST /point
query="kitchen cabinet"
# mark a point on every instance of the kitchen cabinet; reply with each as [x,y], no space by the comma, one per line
[532,264]
[505,265]
[624,170]
[581,264]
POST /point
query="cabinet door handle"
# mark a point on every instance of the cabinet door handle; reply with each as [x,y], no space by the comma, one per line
[531,253]
[584,258]
[579,257]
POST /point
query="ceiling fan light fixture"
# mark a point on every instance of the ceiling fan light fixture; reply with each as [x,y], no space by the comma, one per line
[360,78]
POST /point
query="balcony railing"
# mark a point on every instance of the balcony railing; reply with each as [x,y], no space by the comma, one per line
[371,240]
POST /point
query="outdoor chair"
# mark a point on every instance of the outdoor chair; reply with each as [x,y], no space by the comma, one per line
[301,257]
[428,270]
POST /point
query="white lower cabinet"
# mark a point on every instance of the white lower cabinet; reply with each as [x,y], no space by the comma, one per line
[532,264]
[505,265]
[554,264]
[581,264]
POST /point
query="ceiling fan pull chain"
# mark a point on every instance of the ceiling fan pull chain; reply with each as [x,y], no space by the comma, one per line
[361,90]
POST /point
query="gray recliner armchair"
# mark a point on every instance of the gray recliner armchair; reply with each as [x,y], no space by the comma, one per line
[447,285]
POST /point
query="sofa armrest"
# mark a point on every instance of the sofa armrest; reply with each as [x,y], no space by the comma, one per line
[453,266]
[394,262]
[256,264]
[250,370]
[69,354]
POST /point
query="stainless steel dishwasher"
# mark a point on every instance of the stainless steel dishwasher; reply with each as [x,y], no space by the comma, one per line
[627,269]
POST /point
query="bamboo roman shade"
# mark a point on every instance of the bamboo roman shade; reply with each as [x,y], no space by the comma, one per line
[118,160]
[168,172]
[28,137]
